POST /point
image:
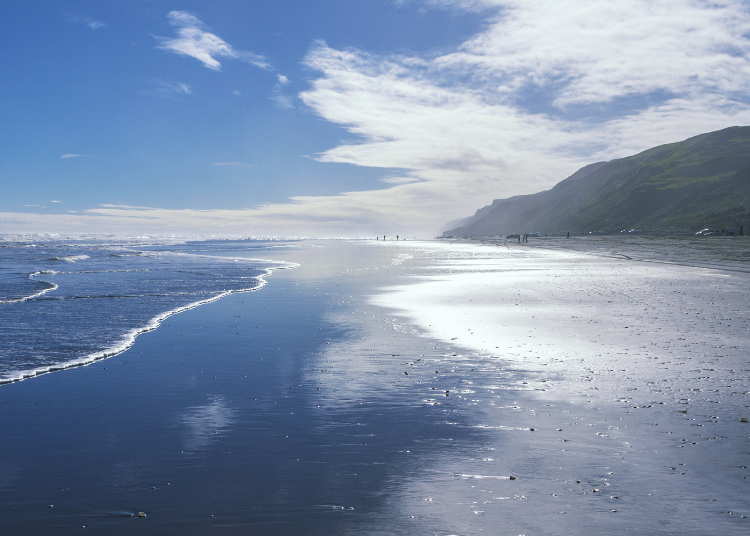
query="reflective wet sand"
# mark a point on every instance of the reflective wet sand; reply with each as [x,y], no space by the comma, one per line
[407,388]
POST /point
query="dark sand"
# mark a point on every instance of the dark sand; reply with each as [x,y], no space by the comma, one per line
[312,407]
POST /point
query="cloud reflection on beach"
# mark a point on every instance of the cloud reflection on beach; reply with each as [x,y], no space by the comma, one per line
[205,423]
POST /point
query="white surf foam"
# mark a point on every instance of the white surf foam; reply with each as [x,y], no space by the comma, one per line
[129,338]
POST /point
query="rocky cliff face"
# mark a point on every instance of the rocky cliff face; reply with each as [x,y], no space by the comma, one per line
[701,182]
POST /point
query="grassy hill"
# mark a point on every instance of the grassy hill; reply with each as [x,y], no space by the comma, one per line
[701,182]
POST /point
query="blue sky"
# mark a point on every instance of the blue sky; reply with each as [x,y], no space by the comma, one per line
[340,117]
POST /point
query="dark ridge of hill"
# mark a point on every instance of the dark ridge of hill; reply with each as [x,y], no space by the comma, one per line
[701,182]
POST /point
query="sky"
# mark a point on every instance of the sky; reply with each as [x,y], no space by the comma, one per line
[341,117]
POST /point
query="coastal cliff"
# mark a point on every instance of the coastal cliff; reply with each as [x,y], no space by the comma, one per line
[702,182]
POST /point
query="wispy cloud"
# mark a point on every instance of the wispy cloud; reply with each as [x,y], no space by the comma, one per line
[73,155]
[168,89]
[281,99]
[194,41]
[53,201]
[92,23]
[233,164]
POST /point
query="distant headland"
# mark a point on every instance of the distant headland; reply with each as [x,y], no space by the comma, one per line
[700,184]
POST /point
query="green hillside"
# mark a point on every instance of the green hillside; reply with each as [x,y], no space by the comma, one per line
[701,182]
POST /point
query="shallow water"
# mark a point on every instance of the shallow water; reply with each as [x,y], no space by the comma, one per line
[66,302]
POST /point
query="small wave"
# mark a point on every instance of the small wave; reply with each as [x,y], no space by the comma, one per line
[151,295]
[128,339]
[51,287]
[52,272]
[70,258]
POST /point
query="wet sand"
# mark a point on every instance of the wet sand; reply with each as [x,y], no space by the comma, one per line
[392,388]
[634,376]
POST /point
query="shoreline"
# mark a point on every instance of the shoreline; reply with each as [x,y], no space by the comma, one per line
[592,245]
[311,409]
[129,338]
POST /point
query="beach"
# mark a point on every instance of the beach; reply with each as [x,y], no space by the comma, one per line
[411,387]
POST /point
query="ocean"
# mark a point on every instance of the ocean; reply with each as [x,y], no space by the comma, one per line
[68,301]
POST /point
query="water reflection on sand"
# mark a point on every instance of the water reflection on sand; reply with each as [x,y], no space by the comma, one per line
[205,423]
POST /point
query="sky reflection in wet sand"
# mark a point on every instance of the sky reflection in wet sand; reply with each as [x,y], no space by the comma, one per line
[318,405]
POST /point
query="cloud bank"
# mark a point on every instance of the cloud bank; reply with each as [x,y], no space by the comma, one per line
[194,41]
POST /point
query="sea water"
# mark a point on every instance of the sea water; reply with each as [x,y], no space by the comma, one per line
[68,301]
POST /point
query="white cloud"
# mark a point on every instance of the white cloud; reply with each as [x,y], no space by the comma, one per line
[168,89]
[53,201]
[400,180]
[92,23]
[73,155]
[598,51]
[281,99]
[235,92]
[192,40]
